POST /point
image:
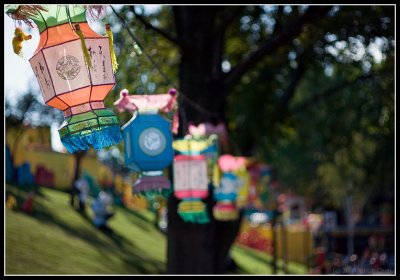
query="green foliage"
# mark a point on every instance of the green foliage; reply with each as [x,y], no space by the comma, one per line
[320,108]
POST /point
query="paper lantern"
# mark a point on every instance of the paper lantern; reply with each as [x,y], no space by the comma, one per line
[260,185]
[264,184]
[148,143]
[191,185]
[207,129]
[148,139]
[194,155]
[73,66]
[243,189]
[207,146]
[225,193]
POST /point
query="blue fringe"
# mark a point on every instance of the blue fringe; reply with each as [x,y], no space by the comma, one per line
[99,139]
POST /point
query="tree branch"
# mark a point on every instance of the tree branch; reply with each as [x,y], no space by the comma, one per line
[148,25]
[328,92]
[227,17]
[286,34]
[291,89]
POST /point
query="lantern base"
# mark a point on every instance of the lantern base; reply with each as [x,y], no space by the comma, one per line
[194,211]
[151,186]
[225,212]
[152,194]
[99,138]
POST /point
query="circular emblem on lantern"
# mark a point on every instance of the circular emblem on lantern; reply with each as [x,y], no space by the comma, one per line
[68,67]
[152,141]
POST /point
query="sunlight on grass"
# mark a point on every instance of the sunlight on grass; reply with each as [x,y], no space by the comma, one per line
[56,239]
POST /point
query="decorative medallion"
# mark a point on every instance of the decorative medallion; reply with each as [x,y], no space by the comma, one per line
[68,67]
[152,141]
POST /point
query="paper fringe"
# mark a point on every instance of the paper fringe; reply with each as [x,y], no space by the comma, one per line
[193,211]
[98,138]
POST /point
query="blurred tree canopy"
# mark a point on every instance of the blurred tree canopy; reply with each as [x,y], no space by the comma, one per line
[307,89]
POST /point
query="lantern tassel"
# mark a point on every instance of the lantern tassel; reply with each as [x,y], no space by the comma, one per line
[99,139]
[111,43]
[83,45]
[193,210]
[19,37]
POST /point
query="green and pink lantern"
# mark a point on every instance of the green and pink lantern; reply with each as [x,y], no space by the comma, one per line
[75,71]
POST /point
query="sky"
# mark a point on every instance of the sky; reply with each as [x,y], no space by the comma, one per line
[14,64]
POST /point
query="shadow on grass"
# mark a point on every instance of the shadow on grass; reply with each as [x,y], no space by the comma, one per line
[258,256]
[135,260]
[138,219]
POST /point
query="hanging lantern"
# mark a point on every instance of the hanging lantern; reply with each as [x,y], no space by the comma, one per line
[193,168]
[191,185]
[148,139]
[264,183]
[73,67]
[225,193]
[207,129]
[243,189]
[260,185]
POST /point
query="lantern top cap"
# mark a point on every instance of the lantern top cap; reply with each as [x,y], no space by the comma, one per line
[124,92]
[172,91]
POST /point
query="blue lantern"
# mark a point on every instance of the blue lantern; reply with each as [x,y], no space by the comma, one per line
[148,138]
[148,143]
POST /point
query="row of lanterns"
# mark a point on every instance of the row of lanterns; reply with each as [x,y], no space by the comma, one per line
[75,69]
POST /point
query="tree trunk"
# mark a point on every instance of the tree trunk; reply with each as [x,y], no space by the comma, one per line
[199,248]
[77,173]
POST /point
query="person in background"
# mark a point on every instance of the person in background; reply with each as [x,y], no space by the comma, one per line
[102,208]
[83,192]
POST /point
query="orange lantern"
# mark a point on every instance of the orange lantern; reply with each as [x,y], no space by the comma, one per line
[75,70]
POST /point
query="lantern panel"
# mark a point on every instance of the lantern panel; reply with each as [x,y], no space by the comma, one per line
[57,103]
[100,92]
[76,97]
[67,67]
[190,176]
[101,72]
[42,74]
[62,33]
[150,143]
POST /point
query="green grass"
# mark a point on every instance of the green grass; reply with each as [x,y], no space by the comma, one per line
[56,239]
[251,261]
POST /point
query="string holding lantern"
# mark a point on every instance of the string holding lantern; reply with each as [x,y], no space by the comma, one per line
[193,167]
[73,66]
[148,138]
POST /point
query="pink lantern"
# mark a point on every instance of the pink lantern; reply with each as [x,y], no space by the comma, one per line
[191,185]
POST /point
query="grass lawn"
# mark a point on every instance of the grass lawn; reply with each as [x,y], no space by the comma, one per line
[55,239]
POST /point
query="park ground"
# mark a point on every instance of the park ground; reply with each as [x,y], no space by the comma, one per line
[56,239]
